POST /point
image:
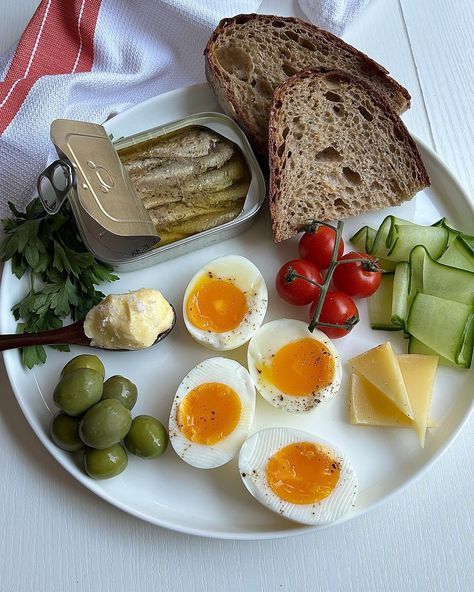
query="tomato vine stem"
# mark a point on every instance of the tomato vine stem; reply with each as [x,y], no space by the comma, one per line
[351,322]
[292,274]
[327,280]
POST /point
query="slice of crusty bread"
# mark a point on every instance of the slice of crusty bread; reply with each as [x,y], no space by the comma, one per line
[249,55]
[336,149]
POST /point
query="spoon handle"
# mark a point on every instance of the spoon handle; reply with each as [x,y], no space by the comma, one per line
[69,335]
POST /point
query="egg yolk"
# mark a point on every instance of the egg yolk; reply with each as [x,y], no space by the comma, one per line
[302,473]
[209,413]
[216,305]
[300,368]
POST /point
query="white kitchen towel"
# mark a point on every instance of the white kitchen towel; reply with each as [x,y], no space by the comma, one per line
[86,59]
[333,15]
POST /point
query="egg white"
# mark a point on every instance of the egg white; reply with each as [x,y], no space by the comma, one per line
[253,459]
[236,377]
[270,338]
[244,275]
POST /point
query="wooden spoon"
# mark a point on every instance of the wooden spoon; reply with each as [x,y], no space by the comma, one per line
[69,335]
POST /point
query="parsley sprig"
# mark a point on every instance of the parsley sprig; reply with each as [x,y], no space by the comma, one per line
[62,272]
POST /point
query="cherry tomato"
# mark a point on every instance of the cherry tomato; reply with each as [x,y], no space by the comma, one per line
[354,278]
[298,291]
[318,246]
[338,308]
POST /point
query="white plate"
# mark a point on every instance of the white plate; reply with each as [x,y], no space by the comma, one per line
[215,503]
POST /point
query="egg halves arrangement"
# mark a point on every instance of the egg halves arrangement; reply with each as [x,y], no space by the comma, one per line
[225,302]
[292,473]
[297,475]
[292,368]
[212,413]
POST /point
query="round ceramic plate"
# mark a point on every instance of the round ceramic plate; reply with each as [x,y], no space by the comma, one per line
[215,503]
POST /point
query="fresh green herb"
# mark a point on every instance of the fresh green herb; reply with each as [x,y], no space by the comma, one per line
[62,272]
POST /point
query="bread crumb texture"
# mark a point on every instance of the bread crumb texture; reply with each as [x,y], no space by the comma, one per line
[336,150]
[249,56]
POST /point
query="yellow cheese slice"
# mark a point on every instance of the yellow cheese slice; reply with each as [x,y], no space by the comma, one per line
[369,406]
[380,367]
[419,373]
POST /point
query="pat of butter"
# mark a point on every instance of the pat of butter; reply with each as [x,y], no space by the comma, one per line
[128,321]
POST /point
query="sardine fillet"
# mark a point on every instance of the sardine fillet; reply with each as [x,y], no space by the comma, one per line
[172,171]
[232,193]
[198,224]
[165,216]
[213,179]
[209,220]
[190,143]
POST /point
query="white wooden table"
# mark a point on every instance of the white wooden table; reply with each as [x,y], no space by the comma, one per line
[55,536]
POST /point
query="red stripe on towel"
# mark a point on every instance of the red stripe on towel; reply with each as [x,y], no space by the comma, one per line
[59,39]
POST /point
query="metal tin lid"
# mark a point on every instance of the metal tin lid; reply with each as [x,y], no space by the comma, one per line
[104,190]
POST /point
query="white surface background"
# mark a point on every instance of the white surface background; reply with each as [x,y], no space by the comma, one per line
[55,536]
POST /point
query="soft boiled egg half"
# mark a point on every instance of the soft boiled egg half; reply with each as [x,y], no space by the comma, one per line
[225,302]
[292,368]
[297,475]
[212,413]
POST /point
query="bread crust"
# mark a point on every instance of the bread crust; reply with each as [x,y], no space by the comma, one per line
[378,100]
[233,110]
[231,105]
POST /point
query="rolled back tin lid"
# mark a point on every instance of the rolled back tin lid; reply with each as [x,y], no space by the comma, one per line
[103,198]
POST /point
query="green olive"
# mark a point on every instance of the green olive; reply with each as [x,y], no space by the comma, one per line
[78,390]
[147,437]
[106,463]
[84,361]
[105,424]
[65,432]
[121,389]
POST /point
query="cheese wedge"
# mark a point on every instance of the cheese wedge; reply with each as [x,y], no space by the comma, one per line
[369,406]
[380,367]
[419,373]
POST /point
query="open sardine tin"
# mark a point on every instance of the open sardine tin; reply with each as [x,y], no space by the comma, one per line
[110,215]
